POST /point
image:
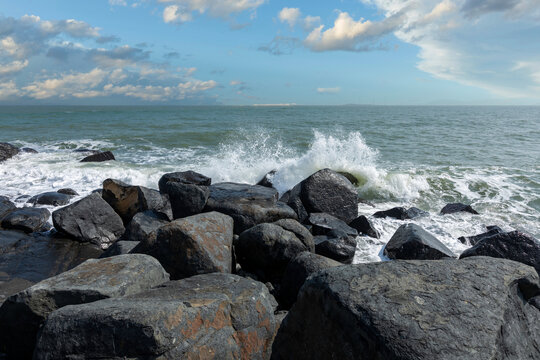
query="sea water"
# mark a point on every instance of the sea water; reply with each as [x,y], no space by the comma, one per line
[401,155]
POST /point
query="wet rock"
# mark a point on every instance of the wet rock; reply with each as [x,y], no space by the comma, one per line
[248,205]
[323,223]
[211,316]
[7,151]
[299,230]
[29,150]
[266,181]
[27,220]
[99,157]
[336,245]
[68,191]
[197,244]
[411,242]
[457,207]
[128,200]
[266,249]
[6,206]
[22,314]
[365,227]
[183,177]
[353,179]
[120,247]
[22,198]
[473,240]
[186,199]
[293,200]
[513,245]
[401,213]
[90,219]
[144,226]
[296,273]
[50,198]
[472,309]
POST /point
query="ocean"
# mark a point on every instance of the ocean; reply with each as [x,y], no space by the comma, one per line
[401,155]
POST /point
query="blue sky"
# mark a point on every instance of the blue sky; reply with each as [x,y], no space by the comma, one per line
[235,52]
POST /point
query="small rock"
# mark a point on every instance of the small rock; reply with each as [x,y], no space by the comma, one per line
[353,179]
[293,200]
[473,240]
[7,151]
[6,206]
[411,242]
[120,247]
[27,219]
[457,207]
[29,150]
[68,191]
[99,157]
[364,226]
[336,245]
[323,223]
[50,198]
[401,213]
[184,177]
[266,181]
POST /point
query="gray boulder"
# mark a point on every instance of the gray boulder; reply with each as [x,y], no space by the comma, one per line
[401,213]
[7,151]
[472,309]
[323,223]
[68,191]
[475,239]
[211,316]
[299,230]
[364,226]
[6,206]
[457,207]
[184,177]
[22,314]
[411,242]
[266,180]
[50,198]
[99,157]
[144,226]
[27,219]
[120,247]
[293,200]
[248,205]
[186,199]
[336,245]
[90,219]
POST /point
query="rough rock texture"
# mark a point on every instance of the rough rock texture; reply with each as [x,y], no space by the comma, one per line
[513,245]
[323,223]
[299,230]
[67,191]
[411,242]
[144,226]
[127,200]
[266,181]
[336,245]
[198,244]
[364,226]
[22,314]
[7,151]
[401,213]
[473,240]
[457,207]
[184,177]
[293,200]
[121,247]
[6,206]
[443,309]
[50,198]
[186,199]
[27,219]
[266,249]
[248,205]
[90,219]
[211,316]
[99,157]
[296,273]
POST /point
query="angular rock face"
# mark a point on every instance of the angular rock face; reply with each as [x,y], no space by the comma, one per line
[248,205]
[336,245]
[266,249]
[364,226]
[411,242]
[298,270]
[195,245]
[513,245]
[90,219]
[184,177]
[99,157]
[266,181]
[401,213]
[457,207]
[211,316]
[22,314]
[299,230]
[27,219]
[467,309]
[323,223]
[473,240]
[128,200]
[119,248]
[50,198]
[67,191]
[144,226]
[7,151]
[186,199]
[6,206]
[293,200]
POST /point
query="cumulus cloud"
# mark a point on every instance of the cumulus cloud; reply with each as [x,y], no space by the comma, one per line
[289,15]
[12,67]
[180,11]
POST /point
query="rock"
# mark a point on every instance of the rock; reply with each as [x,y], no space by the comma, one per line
[120,247]
[473,240]
[90,219]
[127,200]
[197,244]
[22,314]
[353,179]
[364,226]
[401,213]
[457,207]
[472,309]
[299,230]
[7,151]
[211,316]
[248,205]
[296,273]
[323,223]
[186,199]
[50,198]
[336,245]
[27,220]
[68,191]
[266,181]
[293,200]
[184,177]
[99,157]
[29,150]
[266,249]
[513,245]
[6,206]
[144,226]
[411,242]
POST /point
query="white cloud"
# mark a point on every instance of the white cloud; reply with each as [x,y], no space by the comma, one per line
[289,15]
[215,8]
[8,90]
[175,14]
[66,85]
[12,67]
[332,90]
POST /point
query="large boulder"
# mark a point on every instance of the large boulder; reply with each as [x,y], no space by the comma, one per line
[299,230]
[6,206]
[90,219]
[211,316]
[475,239]
[364,226]
[184,177]
[27,219]
[442,309]
[296,273]
[248,205]
[411,242]
[99,157]
[401,213]
[293,200]
[513,245]
[52,198]
[127,200]
[186,199]
[266,249]
[457,207]
[7,151]
[336,245]
[144,226]
[22,314]
[197,244]
[323,223]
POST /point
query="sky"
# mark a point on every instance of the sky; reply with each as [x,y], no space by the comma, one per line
[246,52]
